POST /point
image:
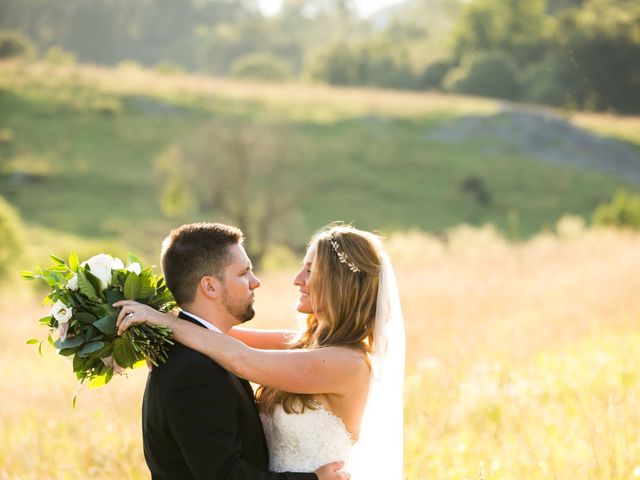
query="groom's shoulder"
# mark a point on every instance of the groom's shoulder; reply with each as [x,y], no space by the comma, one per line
[183,359]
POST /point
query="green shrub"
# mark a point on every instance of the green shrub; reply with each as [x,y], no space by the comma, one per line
[622,211]
[168,68]
[434,74]
[15,45]
[58,56]
[10,237]
[128,65]
[553,81]
[376,62]
[335,64]
[489,74]
[261,66]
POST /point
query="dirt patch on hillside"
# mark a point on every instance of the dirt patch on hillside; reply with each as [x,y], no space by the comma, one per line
[548,138]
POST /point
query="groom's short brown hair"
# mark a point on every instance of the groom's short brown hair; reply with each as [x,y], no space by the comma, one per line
[193,251]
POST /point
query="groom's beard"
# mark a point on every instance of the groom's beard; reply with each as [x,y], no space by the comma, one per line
[242,311]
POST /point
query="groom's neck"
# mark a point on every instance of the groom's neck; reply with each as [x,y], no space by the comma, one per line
[221,320]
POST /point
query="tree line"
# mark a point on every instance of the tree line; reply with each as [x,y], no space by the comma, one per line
[570,53]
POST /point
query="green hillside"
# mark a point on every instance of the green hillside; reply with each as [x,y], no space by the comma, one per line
[78,147]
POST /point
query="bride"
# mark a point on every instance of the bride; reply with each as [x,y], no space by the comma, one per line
[335,391]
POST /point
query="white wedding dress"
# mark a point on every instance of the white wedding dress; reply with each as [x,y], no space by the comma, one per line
[305,441]
[302,442]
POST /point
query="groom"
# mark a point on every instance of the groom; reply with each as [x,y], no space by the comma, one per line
[198,420]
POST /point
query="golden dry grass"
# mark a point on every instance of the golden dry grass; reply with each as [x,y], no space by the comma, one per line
[523,363]
[300,100]
[325,100]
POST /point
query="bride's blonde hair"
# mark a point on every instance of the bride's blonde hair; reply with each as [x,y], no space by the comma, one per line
[344,291]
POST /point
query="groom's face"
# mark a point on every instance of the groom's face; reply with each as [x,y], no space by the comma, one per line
[239,284]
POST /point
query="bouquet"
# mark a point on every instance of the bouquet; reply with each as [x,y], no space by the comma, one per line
[82,315]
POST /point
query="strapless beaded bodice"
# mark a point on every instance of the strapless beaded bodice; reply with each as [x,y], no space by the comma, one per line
[302,442]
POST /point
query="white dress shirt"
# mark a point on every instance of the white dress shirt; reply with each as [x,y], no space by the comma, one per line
[202,321]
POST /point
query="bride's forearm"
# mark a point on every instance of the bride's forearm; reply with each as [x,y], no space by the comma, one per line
[308,371]
[263,339]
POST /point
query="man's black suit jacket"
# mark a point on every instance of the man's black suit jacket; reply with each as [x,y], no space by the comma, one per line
[200,421]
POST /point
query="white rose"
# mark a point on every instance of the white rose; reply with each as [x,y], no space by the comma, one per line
[72,283]
[135,268]
[61,312]
[100,266]
[117,264]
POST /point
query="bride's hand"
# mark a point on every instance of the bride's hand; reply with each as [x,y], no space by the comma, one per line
[134,313]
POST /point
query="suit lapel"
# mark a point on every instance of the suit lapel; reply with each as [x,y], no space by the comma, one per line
[241,385]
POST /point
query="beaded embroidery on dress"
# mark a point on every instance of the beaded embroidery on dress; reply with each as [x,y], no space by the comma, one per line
[302,442]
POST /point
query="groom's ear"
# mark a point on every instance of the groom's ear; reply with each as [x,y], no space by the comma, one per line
[210,287]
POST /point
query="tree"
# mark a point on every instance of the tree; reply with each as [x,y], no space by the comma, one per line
[261,66]
[515,27]
[623,211]
[603,42]
[243,174]
[491,74]
[14,44]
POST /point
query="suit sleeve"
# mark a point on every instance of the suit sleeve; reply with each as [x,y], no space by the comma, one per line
[201,413]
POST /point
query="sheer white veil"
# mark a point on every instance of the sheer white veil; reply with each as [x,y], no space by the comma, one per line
[378,454]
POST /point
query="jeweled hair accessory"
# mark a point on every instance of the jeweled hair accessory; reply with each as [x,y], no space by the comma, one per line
[343,256]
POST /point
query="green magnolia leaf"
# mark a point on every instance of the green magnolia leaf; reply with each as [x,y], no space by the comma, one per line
[132,287]
[74,262]
[147,287]
[89,348]
[106,325]
[84,317]
[93,334]
[113,296]
[85,286]
[57,260]
[27,275]
[101,380]
[32,341]
[55,276]
[59,268]
[65,352]
[95,282]
[78,363]
[50,340]
[140,363]
[70,342]
[123,352]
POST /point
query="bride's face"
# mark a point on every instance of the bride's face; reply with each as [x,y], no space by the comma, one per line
[302,282]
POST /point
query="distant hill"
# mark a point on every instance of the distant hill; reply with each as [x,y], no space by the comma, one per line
[79,146]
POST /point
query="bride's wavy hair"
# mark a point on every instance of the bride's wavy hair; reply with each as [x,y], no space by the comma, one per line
[344,292]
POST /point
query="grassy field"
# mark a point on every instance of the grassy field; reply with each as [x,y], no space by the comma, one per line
[523,357]
[523,363]
[82,140]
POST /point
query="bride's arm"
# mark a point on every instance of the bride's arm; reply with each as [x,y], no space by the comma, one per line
[263,339]
[323,370]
